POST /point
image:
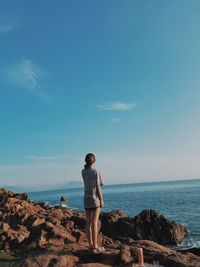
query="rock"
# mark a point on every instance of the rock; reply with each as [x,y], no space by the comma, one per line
[124,257]
[79,235]
[50,259]
[58,232]
[6,227]
[13,220]
[153,226]
[33,220]
[42,204]
[110,256]
[55,236]
[148,225]
[58,213]
[69,225]
[79,220]
[15,238]
[93,264]
[165,256]
[111,217]
[195,251]
[22,196]
[53,220]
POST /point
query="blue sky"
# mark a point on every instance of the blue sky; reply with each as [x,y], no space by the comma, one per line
[118,78]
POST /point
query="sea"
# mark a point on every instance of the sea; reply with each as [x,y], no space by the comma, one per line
[177,200]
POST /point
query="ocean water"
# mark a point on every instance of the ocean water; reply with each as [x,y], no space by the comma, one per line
[177,200]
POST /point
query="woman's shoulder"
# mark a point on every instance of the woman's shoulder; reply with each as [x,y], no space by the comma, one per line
[91,170]
[96,171]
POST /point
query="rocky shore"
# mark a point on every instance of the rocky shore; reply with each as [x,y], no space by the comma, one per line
[39,235]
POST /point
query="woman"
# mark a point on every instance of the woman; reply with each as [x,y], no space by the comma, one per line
[93,200]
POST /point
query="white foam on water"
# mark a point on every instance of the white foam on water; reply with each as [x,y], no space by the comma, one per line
[189,242]
[65,205]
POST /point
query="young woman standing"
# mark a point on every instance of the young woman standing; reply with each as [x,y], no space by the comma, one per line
[93,200]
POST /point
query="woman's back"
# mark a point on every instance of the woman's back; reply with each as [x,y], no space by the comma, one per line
[90,178]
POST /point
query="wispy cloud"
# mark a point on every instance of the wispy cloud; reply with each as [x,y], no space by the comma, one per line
[30,77]
[120,106]
[6,26]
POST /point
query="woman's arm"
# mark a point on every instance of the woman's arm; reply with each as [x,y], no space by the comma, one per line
[99,191]
[101,181]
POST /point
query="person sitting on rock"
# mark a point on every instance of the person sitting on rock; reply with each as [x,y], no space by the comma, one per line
[93,200]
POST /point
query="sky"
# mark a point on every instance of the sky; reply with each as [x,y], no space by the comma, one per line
[116,78]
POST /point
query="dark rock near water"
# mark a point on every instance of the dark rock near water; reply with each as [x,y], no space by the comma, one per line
[54,236]
[195,251]
[149,225]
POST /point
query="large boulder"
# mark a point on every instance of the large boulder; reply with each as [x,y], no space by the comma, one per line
[149,225]
[153,226]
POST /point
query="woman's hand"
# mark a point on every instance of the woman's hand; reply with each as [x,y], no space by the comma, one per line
[101,203]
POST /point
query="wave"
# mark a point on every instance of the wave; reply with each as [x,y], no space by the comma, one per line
[189,242]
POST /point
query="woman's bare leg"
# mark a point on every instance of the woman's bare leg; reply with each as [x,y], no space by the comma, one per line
[94,218]
[88,227]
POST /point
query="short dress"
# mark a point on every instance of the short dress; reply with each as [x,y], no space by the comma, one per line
[91,177]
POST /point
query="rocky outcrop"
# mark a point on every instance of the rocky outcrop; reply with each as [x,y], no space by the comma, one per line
[53,236]
[122,255]
[148,225]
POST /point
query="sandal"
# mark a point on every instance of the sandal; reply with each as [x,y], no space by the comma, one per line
[98,249]
[101,249]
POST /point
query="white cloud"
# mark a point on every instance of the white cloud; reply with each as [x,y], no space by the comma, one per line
[120,106]
[6,26]
[28,76]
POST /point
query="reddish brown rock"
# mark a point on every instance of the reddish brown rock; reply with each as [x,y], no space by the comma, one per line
[68,224]
[58,232]
[124,257]
[93,264]
[79,220]
[79,235]
[5,227]
[55,236]
[14,238]
[33,220]
[50,259]
[166,256]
